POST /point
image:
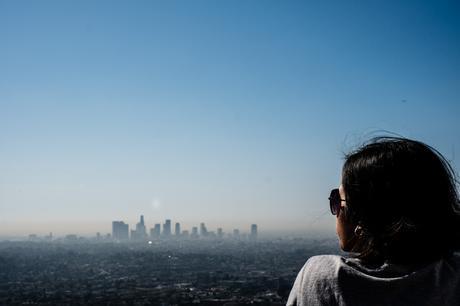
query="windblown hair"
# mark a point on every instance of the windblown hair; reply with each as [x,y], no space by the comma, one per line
[403,193]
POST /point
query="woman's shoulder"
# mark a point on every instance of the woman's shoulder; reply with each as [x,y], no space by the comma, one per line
[332,279]
[324,260]
[328,270]
[325,264]
[316,282]
[321,271]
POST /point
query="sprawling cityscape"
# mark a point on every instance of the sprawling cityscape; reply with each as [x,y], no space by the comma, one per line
[120,231]
[155,267]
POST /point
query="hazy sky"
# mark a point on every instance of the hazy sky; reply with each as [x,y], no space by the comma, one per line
[228,112]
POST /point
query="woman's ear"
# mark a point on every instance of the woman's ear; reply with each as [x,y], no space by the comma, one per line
[359,231]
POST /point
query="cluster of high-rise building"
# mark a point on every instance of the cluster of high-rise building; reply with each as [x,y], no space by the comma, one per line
[121,232]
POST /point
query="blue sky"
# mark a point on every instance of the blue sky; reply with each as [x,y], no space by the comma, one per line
[228,112]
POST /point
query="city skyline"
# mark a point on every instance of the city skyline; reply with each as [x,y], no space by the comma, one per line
[122,231]
[63,229]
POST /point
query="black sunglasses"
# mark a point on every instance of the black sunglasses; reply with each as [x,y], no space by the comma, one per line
[335,201]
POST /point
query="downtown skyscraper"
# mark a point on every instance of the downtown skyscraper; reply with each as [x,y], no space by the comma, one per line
[120,230]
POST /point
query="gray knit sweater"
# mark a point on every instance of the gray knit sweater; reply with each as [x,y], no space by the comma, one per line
[335,280]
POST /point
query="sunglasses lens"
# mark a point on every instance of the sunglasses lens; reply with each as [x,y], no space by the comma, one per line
[334,201]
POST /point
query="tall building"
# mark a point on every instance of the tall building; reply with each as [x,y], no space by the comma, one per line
[155,231]
[120,230]
[203,230]
[140,233]
[177,229]
[253,235]
[167,228]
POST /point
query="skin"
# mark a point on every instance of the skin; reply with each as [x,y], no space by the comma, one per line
[345,230]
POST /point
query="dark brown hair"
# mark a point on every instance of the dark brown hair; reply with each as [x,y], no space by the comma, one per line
[403,193]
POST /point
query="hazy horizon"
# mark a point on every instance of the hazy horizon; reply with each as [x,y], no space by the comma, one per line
[229,113]
[85,228]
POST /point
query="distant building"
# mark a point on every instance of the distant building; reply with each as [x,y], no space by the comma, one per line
[220,233]
[140,233]
[120,230]
[203,230]
[141,230]
[194,232]
[177,229]
[185,234]
[155,231]
[167,228]
[253,235]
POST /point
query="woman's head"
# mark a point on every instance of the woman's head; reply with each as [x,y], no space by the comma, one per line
[401,201]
